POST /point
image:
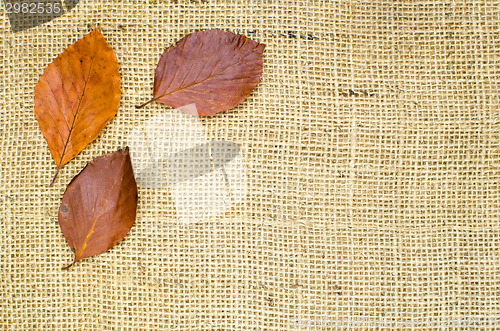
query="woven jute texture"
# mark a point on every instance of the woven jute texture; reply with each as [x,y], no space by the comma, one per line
[372,152]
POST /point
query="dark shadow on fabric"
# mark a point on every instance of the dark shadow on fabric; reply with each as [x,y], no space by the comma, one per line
[70,4]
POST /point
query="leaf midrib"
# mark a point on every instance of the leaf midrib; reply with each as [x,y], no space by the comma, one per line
[79,104]
[202,81]
[79,253]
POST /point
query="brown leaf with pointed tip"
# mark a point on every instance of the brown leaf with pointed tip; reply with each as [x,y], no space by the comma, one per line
[214,69]
[99,205]
[76,96]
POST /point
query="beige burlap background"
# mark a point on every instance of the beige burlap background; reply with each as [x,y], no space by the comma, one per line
[372,152]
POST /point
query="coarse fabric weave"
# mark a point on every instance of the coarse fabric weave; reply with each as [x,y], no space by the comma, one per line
[371,147]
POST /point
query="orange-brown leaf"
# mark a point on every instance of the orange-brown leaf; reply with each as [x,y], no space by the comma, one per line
[77,95]
[99,205]
[214,69]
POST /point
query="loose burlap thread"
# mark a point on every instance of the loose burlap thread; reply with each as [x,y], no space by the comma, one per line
[372,152]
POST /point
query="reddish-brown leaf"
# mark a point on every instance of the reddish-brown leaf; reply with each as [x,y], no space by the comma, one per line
[214,69]
[99,205]
[76,96]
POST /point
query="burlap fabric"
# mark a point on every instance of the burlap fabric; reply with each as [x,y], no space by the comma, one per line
[372,154]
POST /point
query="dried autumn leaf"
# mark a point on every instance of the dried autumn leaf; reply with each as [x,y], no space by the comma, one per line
[76,96]
[99,205]
[214,69]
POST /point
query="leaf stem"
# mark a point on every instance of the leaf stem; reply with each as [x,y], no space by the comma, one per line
[69,266]
[146,103]
[55,176]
